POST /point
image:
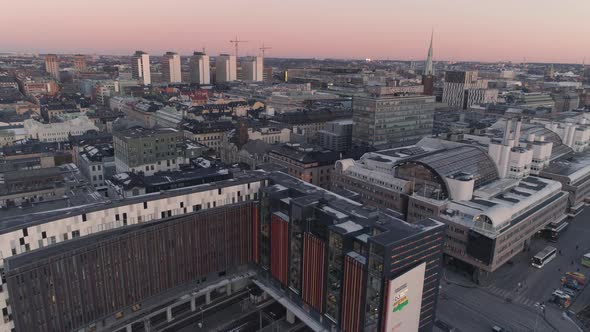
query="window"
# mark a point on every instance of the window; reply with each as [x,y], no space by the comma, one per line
[144,205]
[25,232]
[75,234]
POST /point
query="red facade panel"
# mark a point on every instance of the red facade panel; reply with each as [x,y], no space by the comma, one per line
[313,271]
[352,295]
[279,248]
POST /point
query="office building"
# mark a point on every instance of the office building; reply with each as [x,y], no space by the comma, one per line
[566,101]
[199,68]
[226,68]
[372,180]
[97,163]
[140,68]
[351,267]
[171,68]
[80,63]
[462,89]
[213,134]
[307,123]
[252,69]
[336,135]
[147,150]
[386,121]
[52,65]
[306,162]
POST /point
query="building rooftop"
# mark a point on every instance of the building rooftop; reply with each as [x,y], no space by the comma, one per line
[131,180]
[87,200]
[575,166]
[504,204]
[350,217]
[461,159]
[306,153]
[138,132]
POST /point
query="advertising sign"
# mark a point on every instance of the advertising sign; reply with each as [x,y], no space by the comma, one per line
[404,301]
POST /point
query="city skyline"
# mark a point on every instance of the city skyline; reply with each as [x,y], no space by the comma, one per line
[502,31]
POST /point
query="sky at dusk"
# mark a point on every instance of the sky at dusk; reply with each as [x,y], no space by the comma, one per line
[478,30]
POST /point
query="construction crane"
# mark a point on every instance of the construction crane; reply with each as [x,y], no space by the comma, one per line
[263,48]
[236,42]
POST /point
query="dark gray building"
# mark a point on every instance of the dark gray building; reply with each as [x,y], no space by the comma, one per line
[336,135]
[388,121]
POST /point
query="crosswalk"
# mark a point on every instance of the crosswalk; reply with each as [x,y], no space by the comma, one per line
[511,295]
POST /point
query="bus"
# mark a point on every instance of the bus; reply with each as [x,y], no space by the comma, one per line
[586,260]
[544,256]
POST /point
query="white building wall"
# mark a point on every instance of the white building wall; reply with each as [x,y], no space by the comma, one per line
[225,68]
[58,131]
[200,69]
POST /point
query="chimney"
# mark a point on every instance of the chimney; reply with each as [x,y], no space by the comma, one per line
[507,131]
[517,132]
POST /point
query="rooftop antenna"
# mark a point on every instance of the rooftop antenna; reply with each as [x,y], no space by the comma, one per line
[236,42]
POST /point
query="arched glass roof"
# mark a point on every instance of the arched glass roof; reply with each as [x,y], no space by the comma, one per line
[464,159]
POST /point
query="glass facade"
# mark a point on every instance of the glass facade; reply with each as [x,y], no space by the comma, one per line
[335,273]
[385,122]
[435,166]
[375,284]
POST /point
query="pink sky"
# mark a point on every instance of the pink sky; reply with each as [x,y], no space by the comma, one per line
[480,30]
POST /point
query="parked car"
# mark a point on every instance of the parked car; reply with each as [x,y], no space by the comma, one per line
[572,284]
[569,292]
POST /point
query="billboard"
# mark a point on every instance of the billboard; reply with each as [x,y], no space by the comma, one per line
[404,301]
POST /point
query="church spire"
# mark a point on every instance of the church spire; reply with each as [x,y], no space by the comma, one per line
[429,67]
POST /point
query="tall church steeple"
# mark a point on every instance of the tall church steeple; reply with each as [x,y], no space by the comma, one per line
[429,67]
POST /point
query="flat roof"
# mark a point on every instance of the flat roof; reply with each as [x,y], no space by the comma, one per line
[21,218]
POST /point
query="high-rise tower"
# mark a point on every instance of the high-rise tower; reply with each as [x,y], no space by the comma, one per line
[52,65]
[199,68]
[79,63]
[225,68]
[171,67]
[140,67]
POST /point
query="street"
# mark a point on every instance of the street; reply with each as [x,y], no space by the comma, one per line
[469,307]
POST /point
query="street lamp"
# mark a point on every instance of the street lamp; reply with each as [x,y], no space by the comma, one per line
[200,324]
[541,308]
